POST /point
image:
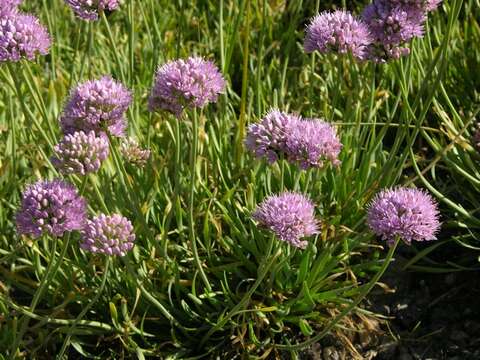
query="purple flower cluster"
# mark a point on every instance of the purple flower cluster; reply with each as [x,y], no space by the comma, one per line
[21,35]
[189,83]
[97,105]
[290,216]
[410,214]
[393,23]
[133,153]
[337,31]
[109,235]
[382,33]
[90,9]
[50,207]
[80,153]
[306,142]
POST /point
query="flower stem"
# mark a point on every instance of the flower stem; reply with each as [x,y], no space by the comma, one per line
[86,309]
[263,269]
[49,275]
[191,219]
[350,307]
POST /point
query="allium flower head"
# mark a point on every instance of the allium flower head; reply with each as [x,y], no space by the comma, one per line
[22,37]
[312,142]
[90,9]
[109,235]
[410,214]
[426,5]
[133,153]
[80,153]
[189,83]
[337,31]
[50,207]
[97,105]
[393,25]
[290,216]
[268,138]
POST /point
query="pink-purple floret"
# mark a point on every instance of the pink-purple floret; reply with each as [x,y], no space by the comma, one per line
[50,207]
[408,213]
[290,216]
[108,234]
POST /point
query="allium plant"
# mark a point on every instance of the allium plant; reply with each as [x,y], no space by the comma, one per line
[310,143]
[50,207]
[91,9]
[290,216]
[133,153]
[268,138]
[190,83]
[97,105]
[408,213]
[108,234]
[22,36]
[337,31]
[80,153]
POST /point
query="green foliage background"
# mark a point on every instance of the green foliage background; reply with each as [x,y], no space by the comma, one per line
[218,285]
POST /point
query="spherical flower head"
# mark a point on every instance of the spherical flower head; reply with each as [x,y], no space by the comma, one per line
[90,9]
[22,37]
[189,83]
[108,234]
[290,216]
[80,153]
[133,153]
[267,138]
[310,143]
[97,105]
[50,207]
[337,31]
[410,214]
[392,26]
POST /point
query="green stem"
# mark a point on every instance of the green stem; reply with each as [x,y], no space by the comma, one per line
[349,308]
[114,47]
[49,275]
[51,320]
[155,302]
[191,208]
[262,272]
[86,309]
